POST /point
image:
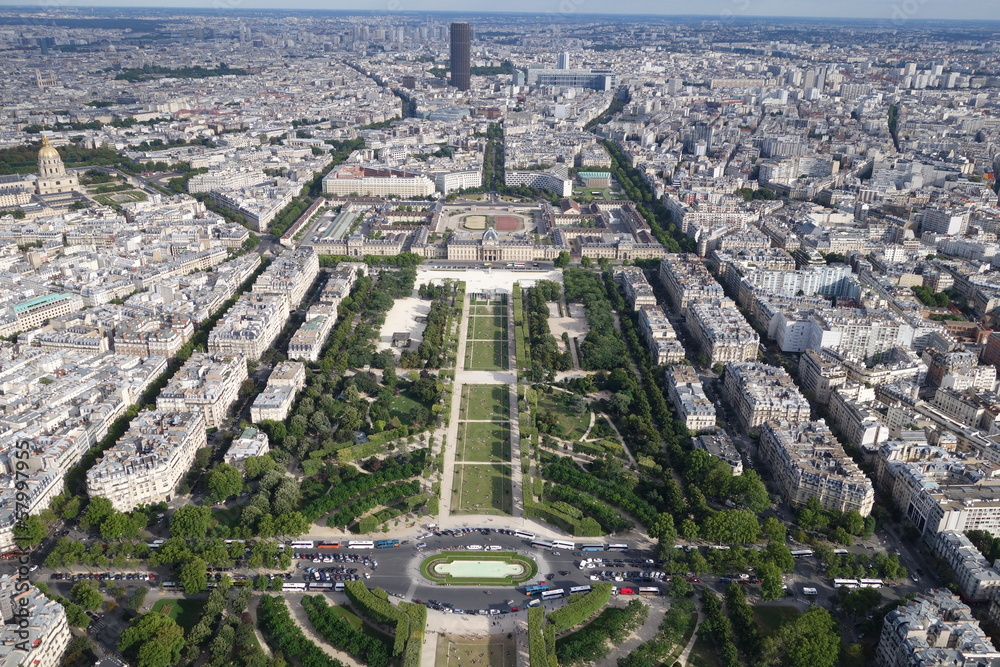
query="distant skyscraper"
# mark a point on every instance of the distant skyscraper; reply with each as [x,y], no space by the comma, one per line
[564,60]
[461,44]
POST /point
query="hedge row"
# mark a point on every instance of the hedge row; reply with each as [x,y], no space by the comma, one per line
[276,623]
[336,630]
[537,653]
[418,624]
[611,520]
[380,496]
[580,527]
[338,494]
[579,609]
[598,448]
[375,605]
[359,452]
[564,471]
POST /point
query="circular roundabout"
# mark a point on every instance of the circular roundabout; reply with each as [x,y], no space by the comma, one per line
[462,568]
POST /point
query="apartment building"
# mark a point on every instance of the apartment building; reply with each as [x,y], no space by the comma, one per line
[858,424]
[977,580]
[686,279]
[835,280]
[149,461]
[250,326]
[206,383]
[308,340]
[290,275]
[35,630]
[806,462]
[938,490]
[721,446]
[638,291]
[251,442]
[275,402]
[934,629]
[820,372]
[660,336]
[686,392]
[761,393]
[721,331]
[859,335]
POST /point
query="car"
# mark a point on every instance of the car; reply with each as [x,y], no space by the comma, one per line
[32,568]
[915,578]
[421,545]
[556,553]
[563,573]
[515,609]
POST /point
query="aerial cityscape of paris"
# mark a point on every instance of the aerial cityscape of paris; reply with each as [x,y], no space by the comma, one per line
[413,333]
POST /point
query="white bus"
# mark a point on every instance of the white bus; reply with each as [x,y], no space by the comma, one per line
[551,595]
[617,547]
[361,544]
[809,591]
[561,544]
[581,589]
[302,544]
[155,544]
[526,535]
[799,553]
[649,590]
[541,544]
[320,585]
[870,583]
[293,587]
[846,583]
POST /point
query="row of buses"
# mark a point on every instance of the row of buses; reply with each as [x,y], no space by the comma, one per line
[858,583]
[570,546]
[353,544]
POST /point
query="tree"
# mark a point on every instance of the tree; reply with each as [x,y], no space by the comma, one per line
[619,402]
[151,627]
[190,522]
[88,597]
[193,577]
[780,555]
[98,509]
[860,602]
[774,530]
[562,260]
[116,526]
[224,481]
[811,640]
[680,587]
[663,529]
[731,527]
[770,578]
[29,531]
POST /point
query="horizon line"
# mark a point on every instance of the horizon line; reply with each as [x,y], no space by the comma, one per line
[384,12]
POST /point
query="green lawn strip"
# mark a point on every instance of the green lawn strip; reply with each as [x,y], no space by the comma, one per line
[184,611]
[486,402]
[502,556]
[492,484]
[484,441]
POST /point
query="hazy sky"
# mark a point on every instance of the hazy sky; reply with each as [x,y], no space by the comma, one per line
[873,9]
